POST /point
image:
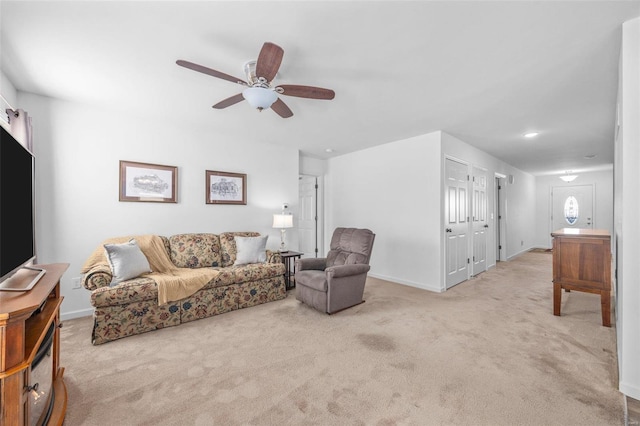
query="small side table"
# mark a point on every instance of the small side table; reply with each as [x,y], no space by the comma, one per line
[289,260]
[582,262]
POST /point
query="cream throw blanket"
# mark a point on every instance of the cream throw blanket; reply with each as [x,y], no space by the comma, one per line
[173,283]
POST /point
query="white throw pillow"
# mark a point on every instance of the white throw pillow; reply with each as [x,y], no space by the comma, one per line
[251,250]
[126,260]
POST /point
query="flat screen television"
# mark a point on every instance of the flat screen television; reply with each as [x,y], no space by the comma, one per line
[17,215]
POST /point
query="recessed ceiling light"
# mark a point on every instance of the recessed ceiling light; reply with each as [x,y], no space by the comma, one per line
[531,134]
[329,150]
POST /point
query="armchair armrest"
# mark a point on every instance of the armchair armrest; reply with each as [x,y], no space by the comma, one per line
[311,263]
[96,277]
[273,257]
[347,270]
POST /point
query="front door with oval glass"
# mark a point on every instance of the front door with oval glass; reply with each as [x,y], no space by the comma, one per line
[572,207]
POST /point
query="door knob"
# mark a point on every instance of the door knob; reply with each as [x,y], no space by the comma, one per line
[486,226]
[449,230]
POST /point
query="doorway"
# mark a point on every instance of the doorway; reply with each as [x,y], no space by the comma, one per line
[310,219]
[500,219]
[572,207]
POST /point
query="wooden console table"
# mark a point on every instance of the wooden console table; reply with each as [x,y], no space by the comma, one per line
[582,262]
[26,318]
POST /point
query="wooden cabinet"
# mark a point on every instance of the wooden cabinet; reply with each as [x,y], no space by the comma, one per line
[30,321]
[582,262]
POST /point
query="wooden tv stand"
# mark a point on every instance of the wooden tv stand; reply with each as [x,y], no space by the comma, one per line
[582,262]
[25,318]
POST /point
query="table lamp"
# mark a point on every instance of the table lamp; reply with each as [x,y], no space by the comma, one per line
[282,221]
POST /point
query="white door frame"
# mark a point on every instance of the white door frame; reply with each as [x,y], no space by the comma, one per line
[500,218]
[319,212]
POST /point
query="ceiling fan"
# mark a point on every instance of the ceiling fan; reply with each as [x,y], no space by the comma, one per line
[261,92]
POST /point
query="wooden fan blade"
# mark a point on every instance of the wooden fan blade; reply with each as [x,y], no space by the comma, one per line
[229,101]
[307,91]
[269,61]
[210,71]
[281,109]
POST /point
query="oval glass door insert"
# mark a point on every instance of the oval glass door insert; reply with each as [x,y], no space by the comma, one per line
[571,210]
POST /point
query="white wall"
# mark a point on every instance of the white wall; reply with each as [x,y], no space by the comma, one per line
[10,95]
[7,90]
[627,226]
[519,196]
[77,150]
[312,166]
[603,202]
[394,190]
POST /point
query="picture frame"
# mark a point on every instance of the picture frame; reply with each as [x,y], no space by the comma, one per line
[225,188]
[146,182]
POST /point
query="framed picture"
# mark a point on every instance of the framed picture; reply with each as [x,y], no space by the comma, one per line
[225,188]
[148,182]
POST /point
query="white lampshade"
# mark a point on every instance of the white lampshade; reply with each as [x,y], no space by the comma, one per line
[259,97]
[282,221]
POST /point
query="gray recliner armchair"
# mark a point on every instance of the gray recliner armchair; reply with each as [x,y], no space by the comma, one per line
[336,282]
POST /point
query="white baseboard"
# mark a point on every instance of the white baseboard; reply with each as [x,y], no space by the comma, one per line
[76,314]
[521,252]
[407,283]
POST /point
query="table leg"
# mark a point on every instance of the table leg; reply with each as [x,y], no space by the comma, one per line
[605,302]
[287,273]
[292,282]
[557,298]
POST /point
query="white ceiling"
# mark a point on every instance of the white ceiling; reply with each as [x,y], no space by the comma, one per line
[485,72]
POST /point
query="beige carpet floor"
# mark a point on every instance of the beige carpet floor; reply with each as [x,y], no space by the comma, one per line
[487,352]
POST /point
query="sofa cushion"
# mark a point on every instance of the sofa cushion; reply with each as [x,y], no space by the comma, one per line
[135,290]
[224,277]
[251,250]
[228,245]
[256,271]
[195,250]
[140,289]
[126,261]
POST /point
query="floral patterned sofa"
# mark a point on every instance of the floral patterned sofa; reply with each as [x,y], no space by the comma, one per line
[131,307]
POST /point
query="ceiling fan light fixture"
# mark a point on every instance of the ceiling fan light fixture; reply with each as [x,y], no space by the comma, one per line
[259,97]
[568,178]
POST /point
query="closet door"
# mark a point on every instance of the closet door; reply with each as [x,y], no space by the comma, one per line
[479,222]
[456,218]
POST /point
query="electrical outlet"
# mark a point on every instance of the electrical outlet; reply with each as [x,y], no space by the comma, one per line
[76,283]
[521,242]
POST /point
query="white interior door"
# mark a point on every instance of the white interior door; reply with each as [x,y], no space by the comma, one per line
[479,221]
[308,221]
[456,222]
[572,207]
